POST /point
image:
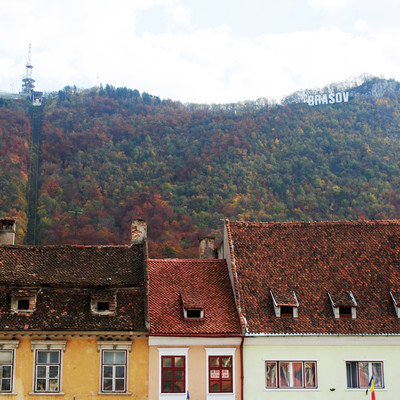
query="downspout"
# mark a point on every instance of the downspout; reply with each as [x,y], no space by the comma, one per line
[241,369]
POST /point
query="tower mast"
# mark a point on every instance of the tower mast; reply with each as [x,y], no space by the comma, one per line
[28,81]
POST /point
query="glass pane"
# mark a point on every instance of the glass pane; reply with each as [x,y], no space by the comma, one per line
[107,371]
[215,387]
[108,357]
[120,384]
[42,357]
[309,370]
[54,357]
[179,361]
[167,387]
[214,373]
[363,374]
[226,374]
[167,375]
[351,372]
[6,371]
[119,357]
[179,375]
[5,357]
[107,384]
[41,371]
[377,374]
[167,362]
[284,374]
[41,385]
[227,361]
[271,374]
[214,361]
[53,385]
[6,385]
[297,371]
[53,371]
[179,387]
[120,372]
[227,386]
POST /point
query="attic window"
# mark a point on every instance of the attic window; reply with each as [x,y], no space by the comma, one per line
[23,304]
[23,300]
[343,305]
[285,303]
[103,302]
[192,305]
[193,314]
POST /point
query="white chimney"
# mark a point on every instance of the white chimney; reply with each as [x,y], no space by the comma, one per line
[138,231]
[7,230]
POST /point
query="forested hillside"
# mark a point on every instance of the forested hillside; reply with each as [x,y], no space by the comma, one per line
[111,154]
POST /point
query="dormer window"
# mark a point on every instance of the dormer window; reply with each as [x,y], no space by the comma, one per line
[396,302]
[103,302]
[285,303]
[343,305]
[23,300]
[192,305]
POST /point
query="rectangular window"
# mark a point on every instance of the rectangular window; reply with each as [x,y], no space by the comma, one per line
[291,374]
[114,371]
[47,369]
[359,373]
[220,374]
[173,374]
[6,370]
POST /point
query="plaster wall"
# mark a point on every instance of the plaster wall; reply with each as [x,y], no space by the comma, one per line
[331,356]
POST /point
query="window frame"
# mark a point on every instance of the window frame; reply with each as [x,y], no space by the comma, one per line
[377,385]
[175,352]
[111,346]
[303,386]
[51,347]
[221,352]
[220,378]
[9,346]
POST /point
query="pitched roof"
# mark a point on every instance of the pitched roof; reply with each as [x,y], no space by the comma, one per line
[198,282]
[76,266]
[65,279]
[67,309]
[314,259]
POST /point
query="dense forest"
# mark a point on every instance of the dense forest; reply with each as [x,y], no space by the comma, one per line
[110,154]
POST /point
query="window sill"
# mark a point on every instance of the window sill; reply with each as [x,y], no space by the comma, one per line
[46,393]
[8,393]
[114,393]
[292,390]
[364,389]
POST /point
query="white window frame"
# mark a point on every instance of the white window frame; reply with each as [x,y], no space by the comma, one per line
[291,388]
[173,351]
[48,345]
[125,346]
[221,351]
[10,345]
[369,362]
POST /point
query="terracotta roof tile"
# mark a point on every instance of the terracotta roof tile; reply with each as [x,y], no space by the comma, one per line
[197,282]
[77,266]
[64,278]
[313,259]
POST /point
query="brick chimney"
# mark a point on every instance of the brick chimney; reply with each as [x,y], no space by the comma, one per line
[7,230]
[206,247]
[138,231]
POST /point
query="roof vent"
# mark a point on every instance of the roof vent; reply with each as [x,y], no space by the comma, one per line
[285,303]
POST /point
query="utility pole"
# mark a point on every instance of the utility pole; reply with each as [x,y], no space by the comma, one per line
[75,213]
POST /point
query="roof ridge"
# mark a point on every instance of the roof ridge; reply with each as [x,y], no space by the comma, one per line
[300,223]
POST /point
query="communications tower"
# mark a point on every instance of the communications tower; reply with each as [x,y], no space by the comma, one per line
[27,81]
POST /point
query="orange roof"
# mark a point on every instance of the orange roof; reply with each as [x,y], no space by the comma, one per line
[195,284]
[312,260]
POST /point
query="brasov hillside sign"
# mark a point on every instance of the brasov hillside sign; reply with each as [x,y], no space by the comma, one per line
[330,98]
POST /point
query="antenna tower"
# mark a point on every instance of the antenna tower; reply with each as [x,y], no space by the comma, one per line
[27,85]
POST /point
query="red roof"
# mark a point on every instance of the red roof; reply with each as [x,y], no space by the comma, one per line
[197,283]
[312,260]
